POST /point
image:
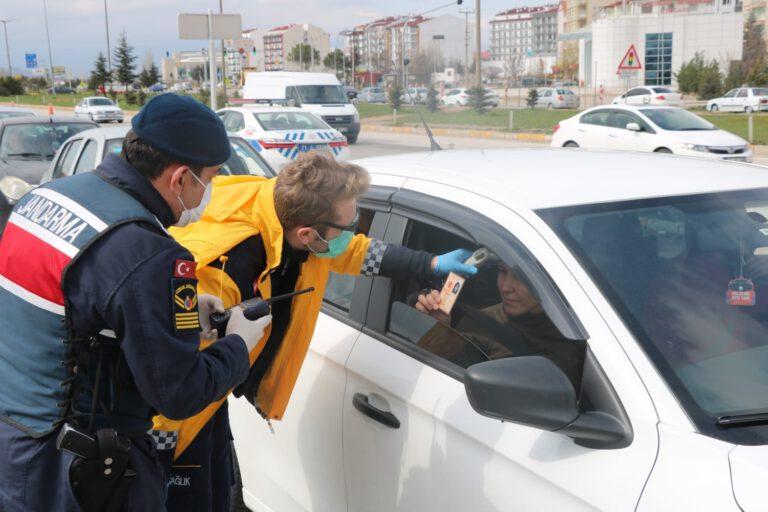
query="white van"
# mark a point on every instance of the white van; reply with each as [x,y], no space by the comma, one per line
[320,93]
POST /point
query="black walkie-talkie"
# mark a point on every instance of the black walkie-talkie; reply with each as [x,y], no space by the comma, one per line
[253,309]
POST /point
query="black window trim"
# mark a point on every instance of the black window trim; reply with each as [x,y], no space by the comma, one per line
[409,205]
[376,199]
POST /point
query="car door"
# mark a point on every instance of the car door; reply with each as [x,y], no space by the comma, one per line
[67,156]
[299,467]
[411,439]
[629,140]
[87,160]
[593,129]
[741,100]
[727,102]
[79,107]
[544,98]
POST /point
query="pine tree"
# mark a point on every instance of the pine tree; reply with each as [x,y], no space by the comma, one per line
[532,98]
[149,76]
[125,61]
[100,76]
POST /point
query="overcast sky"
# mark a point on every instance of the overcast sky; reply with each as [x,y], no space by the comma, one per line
[77,26]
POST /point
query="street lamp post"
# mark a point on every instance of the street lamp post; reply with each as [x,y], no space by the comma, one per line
[109,51]
[50,58]
[479,79]
[7,48]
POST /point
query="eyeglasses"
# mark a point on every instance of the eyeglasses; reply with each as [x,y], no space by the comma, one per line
[351,227]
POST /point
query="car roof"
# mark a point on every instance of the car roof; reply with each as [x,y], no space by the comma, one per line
[107,132]
[4,108]
[266,108]
[44,120]
[530,179]
[632,108]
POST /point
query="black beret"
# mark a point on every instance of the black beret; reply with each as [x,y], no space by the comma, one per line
[183,128]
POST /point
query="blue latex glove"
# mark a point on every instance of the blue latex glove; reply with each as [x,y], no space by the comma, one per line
[454,262]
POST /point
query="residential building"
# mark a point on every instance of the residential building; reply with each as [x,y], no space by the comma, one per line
[244,54]
[529,31]
[179,66]
[664,34]
[279,42]
[381,45]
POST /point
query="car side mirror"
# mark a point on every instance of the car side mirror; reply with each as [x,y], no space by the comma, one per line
[533,391]
[529,390]
[634,127]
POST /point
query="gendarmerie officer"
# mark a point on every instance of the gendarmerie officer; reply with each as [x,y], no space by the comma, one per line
[100,320]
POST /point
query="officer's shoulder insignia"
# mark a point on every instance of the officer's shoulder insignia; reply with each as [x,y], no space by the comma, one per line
[185,304]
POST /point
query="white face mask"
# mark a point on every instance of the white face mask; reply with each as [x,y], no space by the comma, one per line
[191,215]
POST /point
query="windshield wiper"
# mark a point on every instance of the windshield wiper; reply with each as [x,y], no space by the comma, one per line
[743,420]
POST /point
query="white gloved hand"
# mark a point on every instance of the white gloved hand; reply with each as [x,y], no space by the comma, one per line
[206,306]
[250,330]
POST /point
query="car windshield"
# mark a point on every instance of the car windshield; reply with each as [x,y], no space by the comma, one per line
[660,90]
[375,90]
[676,119]
[564,91]
[760,92]
[290,121]
[689,276]
[319,94]
[101,102]
[244,160]
[37,141]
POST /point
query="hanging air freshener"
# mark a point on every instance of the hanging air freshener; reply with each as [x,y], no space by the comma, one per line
[741,292]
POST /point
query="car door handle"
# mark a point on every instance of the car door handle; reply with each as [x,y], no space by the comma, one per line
[361,403]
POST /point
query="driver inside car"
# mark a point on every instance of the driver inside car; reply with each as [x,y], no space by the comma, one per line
[515,326]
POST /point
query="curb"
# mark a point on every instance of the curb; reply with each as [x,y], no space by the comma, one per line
[477,134]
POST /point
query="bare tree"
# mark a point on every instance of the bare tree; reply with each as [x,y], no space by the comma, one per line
[492,73]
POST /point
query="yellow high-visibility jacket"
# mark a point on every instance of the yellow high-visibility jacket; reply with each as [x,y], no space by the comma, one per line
[241,207]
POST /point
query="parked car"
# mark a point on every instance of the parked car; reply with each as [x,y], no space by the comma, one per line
[460,98]
[743,99]
[27,145]
[6,112]
[415,95]
[550,98]
[372,95]
[319,93]
[99,109]
[651,95]
[157,88]
[181,87]
[61,89]
[351,93]
[84,151]
[653,129]
[627,385]
[280,134]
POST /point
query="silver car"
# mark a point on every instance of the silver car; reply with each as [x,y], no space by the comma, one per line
[372,95]
[557,98]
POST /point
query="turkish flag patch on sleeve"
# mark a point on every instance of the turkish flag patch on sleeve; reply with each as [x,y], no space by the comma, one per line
[184,269]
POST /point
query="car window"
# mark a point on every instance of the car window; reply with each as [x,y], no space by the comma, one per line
[731,93]
[37,141]
[547,93]
[101,102]
[760,92]
[245,160]
[639,91]
[67,158]
[338,291]
[497,314]
[662,90]
[113,146]
[677,119]
[87,161]
[598,117]
[620,119]
[233,121]
[289,121]
[743,93]
[322,94]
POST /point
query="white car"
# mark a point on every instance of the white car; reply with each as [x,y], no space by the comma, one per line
[743,99]
[550,98]
[99,109]
[84,151]
[6,112]
[280,134]
[414,95]
[629,385]
[460,98]
[654,129]
[650,95]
